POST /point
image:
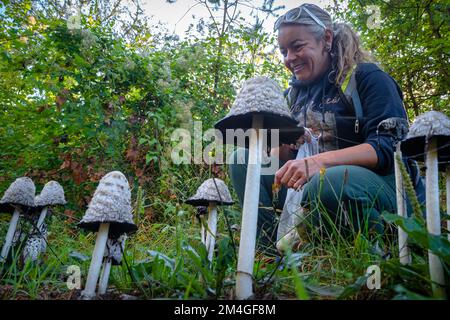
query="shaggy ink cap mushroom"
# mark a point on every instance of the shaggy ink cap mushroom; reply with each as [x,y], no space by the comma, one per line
[111,204]
[114,250]
[261,96]
[20,193]
[52,194]
[396,128]
[207,192]
[430,124]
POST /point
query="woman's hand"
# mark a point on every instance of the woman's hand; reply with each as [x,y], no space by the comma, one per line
[295,173]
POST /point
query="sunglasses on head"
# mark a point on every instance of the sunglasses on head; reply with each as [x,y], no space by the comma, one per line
[293,15]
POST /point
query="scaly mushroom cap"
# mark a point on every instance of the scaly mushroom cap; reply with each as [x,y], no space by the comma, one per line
[110,204]
[395,127]
[262,96]
[36,244]
[207,192]
[51,194]
[114,249]
[21,192]
[430,124]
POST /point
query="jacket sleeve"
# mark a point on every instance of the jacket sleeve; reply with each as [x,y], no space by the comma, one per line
[381,98]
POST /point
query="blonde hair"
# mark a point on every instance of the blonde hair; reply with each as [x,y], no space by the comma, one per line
[346,52]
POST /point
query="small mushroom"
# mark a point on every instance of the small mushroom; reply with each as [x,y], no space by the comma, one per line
[397,129]
[211,193]
[109,212]
[113,256]
[259,105]
[52,194]
[18,198]
[36,244]
[429,140]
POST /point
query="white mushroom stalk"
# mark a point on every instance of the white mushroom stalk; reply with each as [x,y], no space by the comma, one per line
[113,255]
[96,262]
[433,215]
[104,278]
[41,219]
[246,258]
[212,230]
[10,234]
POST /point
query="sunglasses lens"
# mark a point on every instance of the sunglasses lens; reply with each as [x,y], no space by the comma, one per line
[293,14]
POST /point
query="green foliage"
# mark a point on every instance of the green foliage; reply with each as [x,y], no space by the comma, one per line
[410,40]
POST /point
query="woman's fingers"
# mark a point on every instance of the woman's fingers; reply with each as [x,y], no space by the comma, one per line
[280,173]
[296,175]
[289,174]
[300,182]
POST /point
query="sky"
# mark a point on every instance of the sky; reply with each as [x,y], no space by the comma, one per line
[177,21]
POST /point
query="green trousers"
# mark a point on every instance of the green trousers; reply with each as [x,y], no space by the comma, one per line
[346,198]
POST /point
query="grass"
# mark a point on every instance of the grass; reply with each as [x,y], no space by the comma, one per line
[165,259]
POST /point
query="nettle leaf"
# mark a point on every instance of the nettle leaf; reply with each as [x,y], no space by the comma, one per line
[417,232]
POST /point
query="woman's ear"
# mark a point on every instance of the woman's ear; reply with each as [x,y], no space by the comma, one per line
[328,38]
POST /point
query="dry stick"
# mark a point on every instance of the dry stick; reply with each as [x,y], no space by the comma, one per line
[244,278]
[404,253]
[433,217]
[96,261]
[10,234]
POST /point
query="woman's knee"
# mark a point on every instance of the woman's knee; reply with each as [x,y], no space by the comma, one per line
[329,187]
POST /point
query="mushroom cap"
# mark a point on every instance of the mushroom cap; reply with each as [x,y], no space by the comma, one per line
[114,249]
[261,96]
[36,244]
[207,193]
[430,124]
[110,204]
[51,194]
[21,192]
[395,127]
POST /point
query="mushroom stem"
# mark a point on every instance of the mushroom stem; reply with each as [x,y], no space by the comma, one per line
[42,217]
[404,254]
[433,217]
[447,187]
[96,261]
[202,222]
[212,230]
[247,244]
[104,278]
[10,234]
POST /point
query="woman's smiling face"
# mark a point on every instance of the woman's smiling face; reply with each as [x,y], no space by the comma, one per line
[305,57]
